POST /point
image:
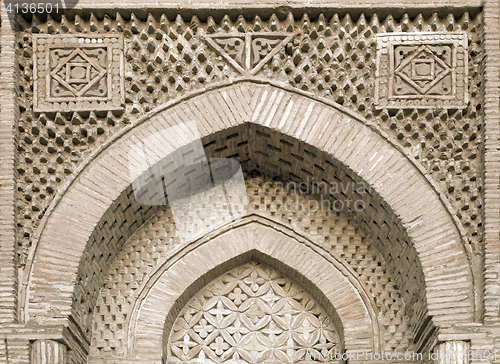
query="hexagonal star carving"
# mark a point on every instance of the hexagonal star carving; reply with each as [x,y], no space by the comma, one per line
[78,72]
[421,70]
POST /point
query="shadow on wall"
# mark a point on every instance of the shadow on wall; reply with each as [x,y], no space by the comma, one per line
[186,173]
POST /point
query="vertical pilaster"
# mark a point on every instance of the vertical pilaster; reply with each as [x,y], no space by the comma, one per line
[48,352]
[491,166]
[452,352]
[8,118]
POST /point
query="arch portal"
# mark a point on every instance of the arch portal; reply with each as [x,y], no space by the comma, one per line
[431,236]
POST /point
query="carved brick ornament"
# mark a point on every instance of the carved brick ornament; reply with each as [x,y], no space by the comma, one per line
[252,314]
[78,72]
[248,53]
[421,70]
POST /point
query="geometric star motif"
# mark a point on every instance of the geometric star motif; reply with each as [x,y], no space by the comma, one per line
[77,73]
[252,314]
[423,69]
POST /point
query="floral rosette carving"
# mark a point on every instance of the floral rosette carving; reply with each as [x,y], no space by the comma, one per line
[252,314]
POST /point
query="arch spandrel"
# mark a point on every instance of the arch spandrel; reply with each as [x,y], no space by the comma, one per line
[412,198]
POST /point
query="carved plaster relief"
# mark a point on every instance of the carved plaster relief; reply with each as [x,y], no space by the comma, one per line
[421,70]
[78,72]
[252,314]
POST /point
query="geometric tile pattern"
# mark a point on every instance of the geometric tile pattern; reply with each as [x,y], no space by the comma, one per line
[252,314]
[78,72]
[417,70]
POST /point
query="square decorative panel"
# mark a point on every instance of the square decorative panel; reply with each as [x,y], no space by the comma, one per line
[78,72]
[421,70]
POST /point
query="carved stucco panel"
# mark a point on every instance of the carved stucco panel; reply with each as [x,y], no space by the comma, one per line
[421,70]
[252,314]
[78,72]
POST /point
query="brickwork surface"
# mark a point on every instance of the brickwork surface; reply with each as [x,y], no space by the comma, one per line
[156,241]
[491,168]
[17,352]
[296,93]
[395,5]
[126,212]
[340,300]
[334,57]
[8,174]
[426,228]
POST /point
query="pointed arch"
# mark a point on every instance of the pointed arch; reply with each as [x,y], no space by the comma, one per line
[330,283]
[414,203]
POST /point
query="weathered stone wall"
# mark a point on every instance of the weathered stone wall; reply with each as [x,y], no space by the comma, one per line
[339,44]
[8,174]
[253,144]
[381,222]
[331,57]
[396,6]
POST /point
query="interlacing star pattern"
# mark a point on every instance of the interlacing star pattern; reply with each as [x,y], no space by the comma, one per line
[252,314]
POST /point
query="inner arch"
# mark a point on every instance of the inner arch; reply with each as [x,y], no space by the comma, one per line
[252,314]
